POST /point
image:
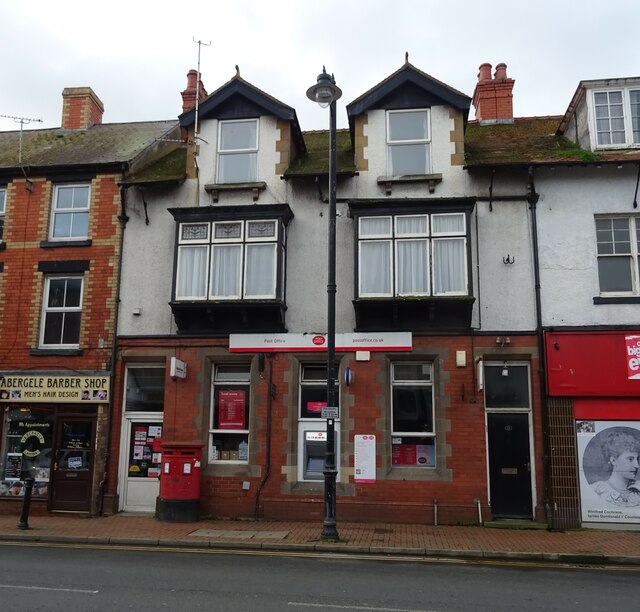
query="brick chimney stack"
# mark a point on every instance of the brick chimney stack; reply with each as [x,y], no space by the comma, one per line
[81,108]
[493,97]
[189,94]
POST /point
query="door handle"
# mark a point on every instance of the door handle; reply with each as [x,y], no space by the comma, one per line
[55,465]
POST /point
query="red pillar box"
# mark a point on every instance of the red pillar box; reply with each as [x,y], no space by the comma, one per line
[179,499]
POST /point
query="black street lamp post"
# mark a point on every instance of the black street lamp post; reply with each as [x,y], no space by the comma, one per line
[325,93]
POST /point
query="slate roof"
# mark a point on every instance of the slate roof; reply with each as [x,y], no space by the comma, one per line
[104,144]
[531,140]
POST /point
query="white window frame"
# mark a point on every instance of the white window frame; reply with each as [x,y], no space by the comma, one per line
[249,152]
[244,241]
[73,211]
[429,383]
[627,118]
[3,204]
[214,456]
[431,237]
[426,140]
[63,309]
[633,256]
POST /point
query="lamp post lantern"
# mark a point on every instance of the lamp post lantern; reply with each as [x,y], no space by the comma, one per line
[325,93]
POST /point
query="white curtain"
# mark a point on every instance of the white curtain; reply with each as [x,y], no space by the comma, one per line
[375,267]
[413,267]
[411,225]
[260,271]
[449,266]
[448,224]
[375,226]
[225,270]
[192,272]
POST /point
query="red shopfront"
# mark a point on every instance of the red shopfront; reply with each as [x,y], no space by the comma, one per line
[595,378]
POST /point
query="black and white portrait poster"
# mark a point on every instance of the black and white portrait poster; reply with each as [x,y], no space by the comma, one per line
[608,456]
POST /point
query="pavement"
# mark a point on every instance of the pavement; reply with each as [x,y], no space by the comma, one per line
[511,542]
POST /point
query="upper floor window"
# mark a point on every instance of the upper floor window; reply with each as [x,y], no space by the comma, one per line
[238,151]
[70,218]
[412,415]
[230,403]
[617,117]
[408,142]
[3,197]
[412,255]
[618,240]
[61,312]
[228,260]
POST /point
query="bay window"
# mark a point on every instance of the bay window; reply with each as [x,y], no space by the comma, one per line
[228,260]
[412,255]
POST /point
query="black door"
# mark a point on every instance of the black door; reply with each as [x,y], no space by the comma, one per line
[72,473]
[509,465]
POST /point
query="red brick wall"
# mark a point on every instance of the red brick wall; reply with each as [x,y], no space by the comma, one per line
[456,487]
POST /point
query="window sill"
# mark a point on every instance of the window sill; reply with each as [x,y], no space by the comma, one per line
[54,244]
[53,351]
[215,188]
[624,299]
[431,179]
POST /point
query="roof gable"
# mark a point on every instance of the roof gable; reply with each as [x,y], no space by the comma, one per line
[409,86]
[238,91]
[238,99]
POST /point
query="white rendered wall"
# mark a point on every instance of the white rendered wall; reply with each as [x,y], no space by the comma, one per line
[454,178]
[569,199]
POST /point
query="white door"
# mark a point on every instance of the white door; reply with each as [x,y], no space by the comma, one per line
[140,462]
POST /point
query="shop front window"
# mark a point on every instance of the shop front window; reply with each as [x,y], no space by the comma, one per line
[412,415]
[26,451]
[229,428]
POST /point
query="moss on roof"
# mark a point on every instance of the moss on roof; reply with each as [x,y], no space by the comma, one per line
[169,168]
[112,143]
[531,140]
[316,161]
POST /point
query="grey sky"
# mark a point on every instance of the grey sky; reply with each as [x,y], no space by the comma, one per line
[135,54]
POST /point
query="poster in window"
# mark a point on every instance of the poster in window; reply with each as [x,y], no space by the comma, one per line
[13,467]
[316,407]
[231,409]
[608,461]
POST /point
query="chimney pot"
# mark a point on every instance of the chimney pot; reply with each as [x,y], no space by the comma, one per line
[485,72]
[189,94]
[501,72]
[493,98]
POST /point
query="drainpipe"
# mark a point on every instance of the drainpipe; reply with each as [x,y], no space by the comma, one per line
[123,219]
[267,469]
[533,198]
